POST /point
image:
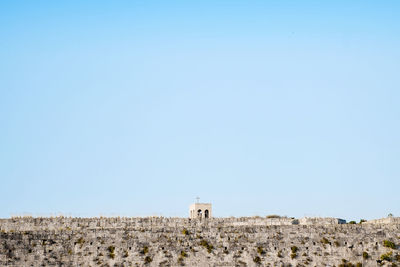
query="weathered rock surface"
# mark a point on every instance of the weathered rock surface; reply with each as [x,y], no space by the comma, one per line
[157,241]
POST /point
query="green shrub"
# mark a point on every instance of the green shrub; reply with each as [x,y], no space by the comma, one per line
[389,244]
[111,250]
[362,221]
[185,232]
[257,260]
[293,255]
[206,245]
[145,250]
[365,255]
[80,241]
[279,254]
[352,222]
[184,254]
[294,249]
[148,259]
[260,250]
[346,263]
[387,256]
[273,216]
[324,241]
[181,261]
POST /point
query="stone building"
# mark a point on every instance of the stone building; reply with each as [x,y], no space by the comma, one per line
[200,211]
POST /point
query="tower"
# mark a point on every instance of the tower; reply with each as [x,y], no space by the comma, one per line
[200,210]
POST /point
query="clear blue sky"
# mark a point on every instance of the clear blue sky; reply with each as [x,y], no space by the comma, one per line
[134,108]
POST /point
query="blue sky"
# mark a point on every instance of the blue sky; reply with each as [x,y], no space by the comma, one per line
[134,108]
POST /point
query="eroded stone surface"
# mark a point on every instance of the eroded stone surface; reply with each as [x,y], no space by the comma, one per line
[157,241]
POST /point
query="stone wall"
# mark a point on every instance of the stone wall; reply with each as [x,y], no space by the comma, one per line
[158,241]
[321,221]
[388,220]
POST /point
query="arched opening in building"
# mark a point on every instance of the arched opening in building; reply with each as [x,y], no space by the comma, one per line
[206,213]
[199,213]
